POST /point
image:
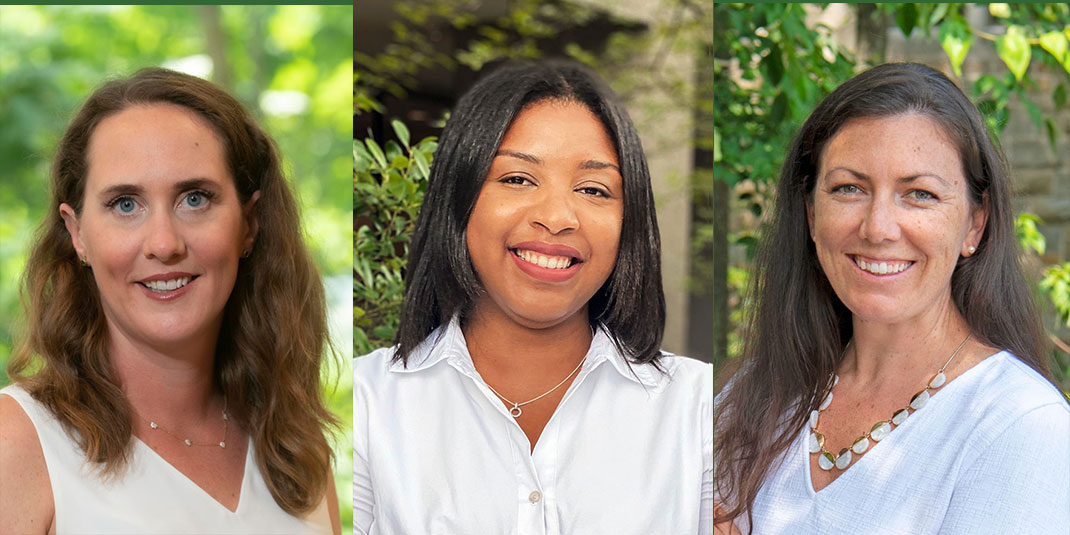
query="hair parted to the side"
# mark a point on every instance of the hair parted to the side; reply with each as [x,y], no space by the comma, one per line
[798,328]
[270,374]
[440,279]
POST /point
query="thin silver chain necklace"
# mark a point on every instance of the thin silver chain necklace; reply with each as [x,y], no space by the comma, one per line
[515,412]
[826,460]
[222,443]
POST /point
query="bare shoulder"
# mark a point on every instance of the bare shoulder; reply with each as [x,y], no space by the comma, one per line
[26,504]
[332,506]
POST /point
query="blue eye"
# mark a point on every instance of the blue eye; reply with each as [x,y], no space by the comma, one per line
[197,199]
[124,205]
[846,188]
[922,195]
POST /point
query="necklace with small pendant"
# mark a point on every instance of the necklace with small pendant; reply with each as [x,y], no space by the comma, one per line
[187,441]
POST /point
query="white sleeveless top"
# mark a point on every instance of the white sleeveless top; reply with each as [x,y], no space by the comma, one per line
[151,496]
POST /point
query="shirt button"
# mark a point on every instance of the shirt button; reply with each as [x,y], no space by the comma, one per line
[535,496]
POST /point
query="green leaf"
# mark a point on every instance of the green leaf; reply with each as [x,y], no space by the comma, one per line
[1050,127]
[1059,97]
[780,108]
[376,152]
[938,13]
[392,150]
[363,269]
[401,131]
[362,159]
[1014,50]
[429,145]
[394,184]
[1056,283]
[984,84]
[383,332]
[1033,111]
[906,17]
[1000,11]
[363,102]
[717,146]
[774,65]
[420,161]
[1057,44]
[1025,227]
[955,39]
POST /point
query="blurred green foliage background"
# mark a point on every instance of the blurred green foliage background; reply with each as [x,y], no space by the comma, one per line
[290,65]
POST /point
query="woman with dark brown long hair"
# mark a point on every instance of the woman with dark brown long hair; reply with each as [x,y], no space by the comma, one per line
[169,377]
[895,378]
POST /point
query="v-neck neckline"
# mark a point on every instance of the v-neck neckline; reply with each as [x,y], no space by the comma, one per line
[193,484]
[801,443]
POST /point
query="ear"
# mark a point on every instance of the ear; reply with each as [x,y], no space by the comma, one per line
[978,219]
[252,221]
[74,228]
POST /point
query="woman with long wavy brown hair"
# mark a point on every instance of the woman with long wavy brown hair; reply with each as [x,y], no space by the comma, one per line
[168,380]
[892,325]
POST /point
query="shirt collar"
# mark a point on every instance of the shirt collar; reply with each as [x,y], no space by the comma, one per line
[447,342]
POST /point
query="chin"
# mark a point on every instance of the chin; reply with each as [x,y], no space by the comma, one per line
[541,317]
[877,313]
[168,337]
[169,329]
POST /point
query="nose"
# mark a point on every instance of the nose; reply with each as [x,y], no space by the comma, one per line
[163,241]
[880,221]
[554,210]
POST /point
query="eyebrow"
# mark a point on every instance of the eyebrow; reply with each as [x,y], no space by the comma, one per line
[597,164]
[586,164]
[904,179]
[133,189]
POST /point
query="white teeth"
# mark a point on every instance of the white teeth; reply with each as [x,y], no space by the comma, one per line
[168,285]
[881,268]
[551,262]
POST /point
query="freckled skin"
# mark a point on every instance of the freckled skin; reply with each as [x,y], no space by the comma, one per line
[865,205]
[891,190]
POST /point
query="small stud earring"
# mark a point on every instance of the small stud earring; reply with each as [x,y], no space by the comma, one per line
[971,249]
[245,253]
[83,262]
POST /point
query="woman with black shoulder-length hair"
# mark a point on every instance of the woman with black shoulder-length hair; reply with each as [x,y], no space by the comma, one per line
[527,392]
[169,377]
[895,376]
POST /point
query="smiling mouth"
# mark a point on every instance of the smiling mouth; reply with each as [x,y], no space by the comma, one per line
[161,286]
[545,261]
[881,268]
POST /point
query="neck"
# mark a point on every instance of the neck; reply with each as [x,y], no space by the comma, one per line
[880,351]
[174,379]
[507,351]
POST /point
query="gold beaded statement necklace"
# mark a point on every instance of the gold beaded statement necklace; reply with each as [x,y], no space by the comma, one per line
[222,443]
[826,460]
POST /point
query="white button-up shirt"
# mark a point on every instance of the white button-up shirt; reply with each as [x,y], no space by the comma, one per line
[436,452]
